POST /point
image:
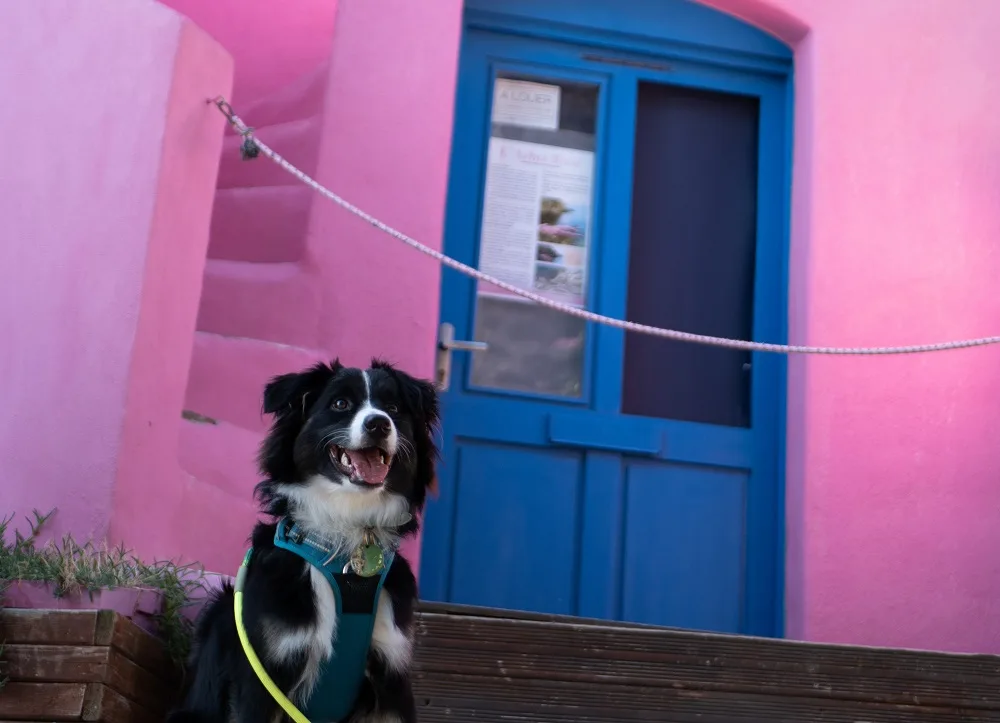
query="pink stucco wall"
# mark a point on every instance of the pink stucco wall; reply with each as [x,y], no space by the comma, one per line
[893,501]
[106,187]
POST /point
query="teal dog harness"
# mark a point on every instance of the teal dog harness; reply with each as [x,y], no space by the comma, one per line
[356,580]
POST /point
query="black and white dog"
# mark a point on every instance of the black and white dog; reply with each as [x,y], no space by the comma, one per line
[350,454]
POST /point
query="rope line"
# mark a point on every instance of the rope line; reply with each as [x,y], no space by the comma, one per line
[252,145]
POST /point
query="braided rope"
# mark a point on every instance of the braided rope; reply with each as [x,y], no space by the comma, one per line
[252,143]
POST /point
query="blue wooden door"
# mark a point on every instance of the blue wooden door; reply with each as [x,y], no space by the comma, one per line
[586,471]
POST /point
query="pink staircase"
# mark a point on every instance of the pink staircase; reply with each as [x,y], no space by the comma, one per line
[260,301]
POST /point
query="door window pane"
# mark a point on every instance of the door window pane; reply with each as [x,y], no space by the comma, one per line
[536,234]
[692,250]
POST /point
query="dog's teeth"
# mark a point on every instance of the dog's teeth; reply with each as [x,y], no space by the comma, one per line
[381,456]
[345,460]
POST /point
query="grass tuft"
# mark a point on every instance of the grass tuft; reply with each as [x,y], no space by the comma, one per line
[74,568]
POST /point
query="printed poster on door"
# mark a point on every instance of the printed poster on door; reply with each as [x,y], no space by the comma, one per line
[536,219]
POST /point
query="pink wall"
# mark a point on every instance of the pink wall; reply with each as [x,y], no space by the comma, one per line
[105,194]
[894,506]
[272,43]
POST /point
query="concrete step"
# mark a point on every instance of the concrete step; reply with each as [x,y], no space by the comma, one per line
[222,455]
[272,302]
[263,224]
[228,375]
[297,141]
[219,462]
[302,98]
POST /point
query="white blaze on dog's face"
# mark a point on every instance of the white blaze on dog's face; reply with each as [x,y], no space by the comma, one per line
[363,438]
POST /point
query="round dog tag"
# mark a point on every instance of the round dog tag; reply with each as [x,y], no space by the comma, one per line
[368,560]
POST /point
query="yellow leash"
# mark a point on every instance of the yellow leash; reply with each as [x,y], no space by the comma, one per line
[294,713]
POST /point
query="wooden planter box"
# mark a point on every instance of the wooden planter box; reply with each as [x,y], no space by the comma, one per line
[140,605]
[82,665]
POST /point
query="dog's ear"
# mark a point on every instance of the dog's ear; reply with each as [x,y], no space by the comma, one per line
[429,402]
[289,393]
[420,394]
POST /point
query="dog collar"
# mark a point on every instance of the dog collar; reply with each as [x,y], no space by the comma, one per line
[367,559]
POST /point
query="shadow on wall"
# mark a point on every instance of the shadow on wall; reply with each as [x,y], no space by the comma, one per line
[272,44]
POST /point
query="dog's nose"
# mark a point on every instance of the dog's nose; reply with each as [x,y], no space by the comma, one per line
[378,425]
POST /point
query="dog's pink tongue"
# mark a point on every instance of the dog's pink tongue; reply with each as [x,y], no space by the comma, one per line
[369,465]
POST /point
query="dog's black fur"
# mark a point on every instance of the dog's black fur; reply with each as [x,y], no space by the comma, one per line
[319,416]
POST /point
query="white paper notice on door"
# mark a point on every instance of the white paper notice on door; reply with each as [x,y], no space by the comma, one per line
[536,217]
[520,103]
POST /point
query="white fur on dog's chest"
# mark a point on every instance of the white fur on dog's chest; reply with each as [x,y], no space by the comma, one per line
[321,647]
[317,640]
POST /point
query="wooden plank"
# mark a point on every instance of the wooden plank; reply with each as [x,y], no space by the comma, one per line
[519,650]
[105,627]
[457,625]
[138,684]
[42,701]
[143,649]
[56,663]
[454,610]
[104,705]
[40,627]
[479,698]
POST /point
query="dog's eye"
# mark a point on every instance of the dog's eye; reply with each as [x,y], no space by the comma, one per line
[341,404]
[392,409]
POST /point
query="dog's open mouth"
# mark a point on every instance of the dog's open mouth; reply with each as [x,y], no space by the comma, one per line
[363,466]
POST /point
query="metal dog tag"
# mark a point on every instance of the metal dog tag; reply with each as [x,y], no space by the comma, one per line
[367,560]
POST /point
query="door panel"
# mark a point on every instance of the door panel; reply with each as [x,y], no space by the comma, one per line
[586,471]
[516,516]
[684,562]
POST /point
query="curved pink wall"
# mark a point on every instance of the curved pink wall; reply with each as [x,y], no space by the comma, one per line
[106,188]
[272,43]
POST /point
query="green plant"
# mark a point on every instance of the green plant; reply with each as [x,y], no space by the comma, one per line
[72,567]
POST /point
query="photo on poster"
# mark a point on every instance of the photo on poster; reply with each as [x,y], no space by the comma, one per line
[560,283]
[558,223]
[560,254]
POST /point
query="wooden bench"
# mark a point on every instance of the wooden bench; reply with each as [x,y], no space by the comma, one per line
[485,666]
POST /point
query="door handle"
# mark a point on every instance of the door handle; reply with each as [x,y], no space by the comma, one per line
[447,343]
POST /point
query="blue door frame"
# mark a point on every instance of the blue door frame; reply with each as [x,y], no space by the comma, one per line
[602,483]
